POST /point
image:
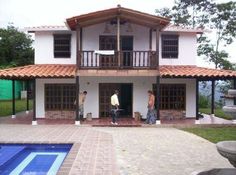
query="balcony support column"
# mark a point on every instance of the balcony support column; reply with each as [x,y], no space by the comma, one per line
[150,56]
[157,47]
[78,45]
[118,40]
[150,39]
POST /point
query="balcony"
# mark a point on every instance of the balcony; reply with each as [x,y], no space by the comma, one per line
[117,60]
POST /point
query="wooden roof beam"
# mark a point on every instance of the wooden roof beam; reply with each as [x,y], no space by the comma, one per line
[96,21]
[140,21]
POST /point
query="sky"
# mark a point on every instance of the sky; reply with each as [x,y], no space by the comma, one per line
[28,13]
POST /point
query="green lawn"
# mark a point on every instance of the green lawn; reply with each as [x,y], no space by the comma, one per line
[214,134]
[218,112]
[6,106]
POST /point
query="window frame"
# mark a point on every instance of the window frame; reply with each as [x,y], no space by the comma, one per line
[170,47]
[59,97]
[168,88]
[56,51]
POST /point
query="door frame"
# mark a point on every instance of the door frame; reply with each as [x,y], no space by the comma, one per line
[114,37]
[126,36]
[132,96]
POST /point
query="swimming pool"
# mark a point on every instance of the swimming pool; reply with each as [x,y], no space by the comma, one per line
[33,159]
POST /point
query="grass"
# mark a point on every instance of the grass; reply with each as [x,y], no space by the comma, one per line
[6,106]
[218,112]
[214,134]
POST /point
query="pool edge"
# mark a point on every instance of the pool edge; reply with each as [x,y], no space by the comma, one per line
[68,161]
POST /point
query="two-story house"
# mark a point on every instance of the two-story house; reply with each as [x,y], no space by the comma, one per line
[115,49]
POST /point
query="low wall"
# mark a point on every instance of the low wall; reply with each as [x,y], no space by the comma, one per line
[164,114]
[172,114]
[60,114]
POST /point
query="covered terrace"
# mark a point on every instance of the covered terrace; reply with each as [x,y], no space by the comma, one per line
[32,72]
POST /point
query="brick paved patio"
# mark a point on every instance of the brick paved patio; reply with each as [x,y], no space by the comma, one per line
[163,151]
[112,151]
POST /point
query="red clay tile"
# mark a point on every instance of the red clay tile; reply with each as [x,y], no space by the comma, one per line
[69,71]
[194,72]
[39,71]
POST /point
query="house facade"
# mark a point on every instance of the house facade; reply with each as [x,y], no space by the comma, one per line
[116,49]
[135,47]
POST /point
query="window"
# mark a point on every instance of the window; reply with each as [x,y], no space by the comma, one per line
[62,45]
[170,46]
[107,42]
[59,96]
[172,96]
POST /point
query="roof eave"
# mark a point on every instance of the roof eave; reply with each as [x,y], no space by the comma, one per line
[123,12]
[47,29]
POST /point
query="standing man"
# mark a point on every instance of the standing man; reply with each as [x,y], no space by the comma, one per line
[151,114]
[82,97]
[114,107]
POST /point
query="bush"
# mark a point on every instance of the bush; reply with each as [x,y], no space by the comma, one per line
[203,101]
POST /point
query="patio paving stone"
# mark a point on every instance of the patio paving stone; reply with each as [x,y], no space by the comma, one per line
[163,151]
[122,150]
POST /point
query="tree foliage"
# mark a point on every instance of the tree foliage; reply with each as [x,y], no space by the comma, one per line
[194,13]
[223,22]
[221,18]
[15,48]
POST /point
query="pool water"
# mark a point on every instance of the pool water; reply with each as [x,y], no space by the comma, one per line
[33,159]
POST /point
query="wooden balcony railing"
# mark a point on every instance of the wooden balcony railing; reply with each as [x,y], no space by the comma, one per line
[120,60]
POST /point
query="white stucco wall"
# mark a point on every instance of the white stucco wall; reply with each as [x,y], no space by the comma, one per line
[140,87]
[91,36]
[90,41]
[44,49]
[187,49]
[187,42]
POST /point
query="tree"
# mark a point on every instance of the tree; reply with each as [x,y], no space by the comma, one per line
[15,48]
[221,18]
[223,21]
[194,13]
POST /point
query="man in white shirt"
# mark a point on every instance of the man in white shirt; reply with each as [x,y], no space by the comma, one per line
[114,107]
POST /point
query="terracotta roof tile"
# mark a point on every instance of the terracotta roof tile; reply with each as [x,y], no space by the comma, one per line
[69,71]
[175,28]
[39,71]
[195,72]
[46,28]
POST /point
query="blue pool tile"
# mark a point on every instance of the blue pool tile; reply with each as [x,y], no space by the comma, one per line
[40,164]
[8,152]
[32,159]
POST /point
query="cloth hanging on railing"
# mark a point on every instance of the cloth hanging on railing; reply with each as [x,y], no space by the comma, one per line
[104,52]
